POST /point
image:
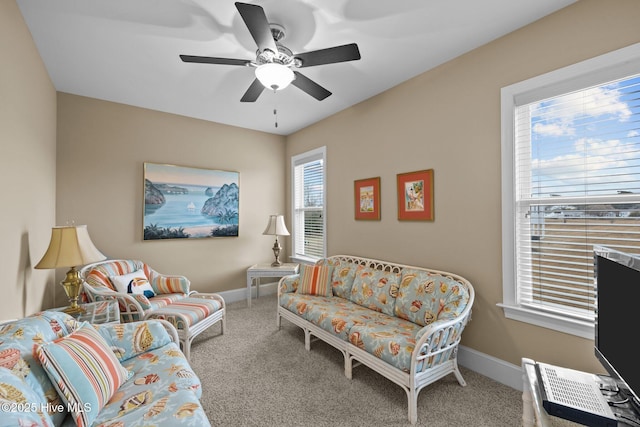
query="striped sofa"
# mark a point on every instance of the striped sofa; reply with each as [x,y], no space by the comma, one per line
[403,322]
[189,311]
[56,371]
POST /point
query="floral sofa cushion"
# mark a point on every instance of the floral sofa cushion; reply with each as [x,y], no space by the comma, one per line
[25,335]
[333,314]
[163,390]
[386,337]
[21,406]
[425,297]
[128,340]
[375,289]
[343,275]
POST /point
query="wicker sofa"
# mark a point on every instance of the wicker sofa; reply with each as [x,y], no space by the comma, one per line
[403,322]
[55,371]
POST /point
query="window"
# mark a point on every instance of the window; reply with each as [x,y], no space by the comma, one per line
[571,180]
[308,189]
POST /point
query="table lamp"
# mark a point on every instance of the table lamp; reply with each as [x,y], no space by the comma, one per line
[276,227]
[70,246]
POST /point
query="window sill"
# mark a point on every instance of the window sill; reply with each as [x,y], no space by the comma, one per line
[303,260]
[581,328]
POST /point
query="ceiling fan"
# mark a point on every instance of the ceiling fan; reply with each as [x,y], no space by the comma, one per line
[275,63]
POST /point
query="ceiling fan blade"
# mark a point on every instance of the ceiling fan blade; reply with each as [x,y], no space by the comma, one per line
[254,91]
[258,25]
[312,88]
[331,55]
[212,60]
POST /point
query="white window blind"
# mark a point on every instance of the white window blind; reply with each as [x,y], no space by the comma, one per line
[308,172]
[575,184]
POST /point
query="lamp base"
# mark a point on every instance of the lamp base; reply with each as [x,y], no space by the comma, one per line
[72,285]
[74,310]
[276,252]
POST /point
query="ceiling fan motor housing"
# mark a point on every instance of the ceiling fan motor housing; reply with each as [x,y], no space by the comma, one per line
[284,56]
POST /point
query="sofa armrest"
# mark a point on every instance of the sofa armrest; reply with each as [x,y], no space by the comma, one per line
[171,330]
[132,306]
[132,339]
[288,284]
[438,342]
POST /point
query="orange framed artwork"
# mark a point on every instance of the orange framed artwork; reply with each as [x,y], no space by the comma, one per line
[367,198]
[415,196]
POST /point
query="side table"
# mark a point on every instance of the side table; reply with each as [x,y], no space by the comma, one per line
[97,312]
[257,271]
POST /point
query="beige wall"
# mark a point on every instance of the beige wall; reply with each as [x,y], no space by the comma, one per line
[448,119]
[27,168]
[102,147]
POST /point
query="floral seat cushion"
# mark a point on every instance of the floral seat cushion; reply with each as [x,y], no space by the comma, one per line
[165,367]
[149,406]
[335,315]
[388,338]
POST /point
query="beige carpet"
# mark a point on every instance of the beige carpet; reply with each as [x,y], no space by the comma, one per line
[257,375]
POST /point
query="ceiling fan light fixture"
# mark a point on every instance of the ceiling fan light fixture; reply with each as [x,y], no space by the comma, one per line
[274,76]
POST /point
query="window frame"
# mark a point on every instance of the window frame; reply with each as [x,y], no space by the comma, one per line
[610,66]
[297,160]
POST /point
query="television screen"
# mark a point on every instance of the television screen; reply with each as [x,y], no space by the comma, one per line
[617,278]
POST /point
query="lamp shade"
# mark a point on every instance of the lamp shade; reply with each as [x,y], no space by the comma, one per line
[274,76]
[70,246]
[276,226]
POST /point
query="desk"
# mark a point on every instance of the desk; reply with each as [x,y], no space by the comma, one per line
[97,312]
[257,271]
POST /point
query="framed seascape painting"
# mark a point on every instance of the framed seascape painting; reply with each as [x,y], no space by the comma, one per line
[415,196]
[367,198]
[189,203]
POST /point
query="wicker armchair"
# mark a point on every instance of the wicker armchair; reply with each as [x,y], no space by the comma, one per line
[189,311]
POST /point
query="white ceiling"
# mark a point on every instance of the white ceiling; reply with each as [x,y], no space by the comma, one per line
[126,51]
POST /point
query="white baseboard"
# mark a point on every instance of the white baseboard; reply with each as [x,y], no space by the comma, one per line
[491,367]
[498,370]
[235,295]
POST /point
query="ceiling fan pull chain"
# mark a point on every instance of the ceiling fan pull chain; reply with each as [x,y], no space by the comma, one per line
[275,108]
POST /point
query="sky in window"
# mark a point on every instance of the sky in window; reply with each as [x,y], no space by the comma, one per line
[587,142]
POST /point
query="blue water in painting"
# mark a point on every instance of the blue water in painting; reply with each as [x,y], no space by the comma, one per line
[181,210]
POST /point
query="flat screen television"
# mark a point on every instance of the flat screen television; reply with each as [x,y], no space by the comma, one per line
[617,281]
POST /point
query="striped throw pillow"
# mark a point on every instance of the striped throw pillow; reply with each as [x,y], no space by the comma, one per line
[316,280]
[170,284]
[84,370]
